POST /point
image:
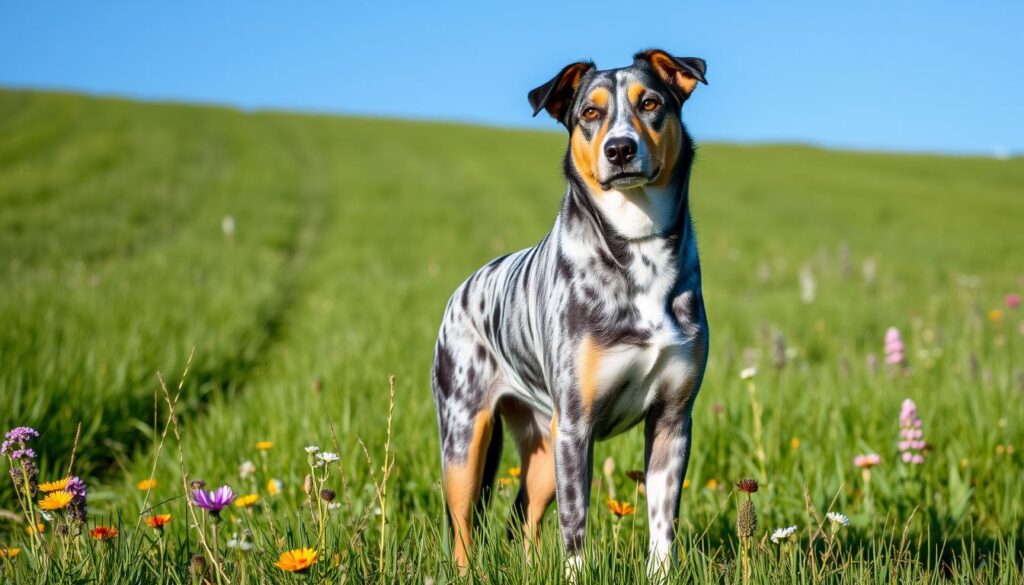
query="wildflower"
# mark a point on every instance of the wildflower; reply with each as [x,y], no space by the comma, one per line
[312,449]
[241,544]
[198,568]
[894,348]
[9,553]
[514,471]
[227,225]
[620,509]
[747,486]
[712,484]
[264,445]
[995,315]
[1012,301]
[911,443]
[783,534]
[328,495]
[505,481]
[296,561]
[274,487]
[79,508]
[867,461]
[20,435]
[56,500]
[794,443]
[748,373]
[327,457]
[808,286]
[247,501]
[838,520]
[104,533]
[746,520]
[686,484]
[246,469]
[54,486]
[213,502]
[146,484]
[158,521]
[39,529]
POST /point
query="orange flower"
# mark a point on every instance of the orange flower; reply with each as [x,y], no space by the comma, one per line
[620,509]
[55,500]
[264,445]
[104,533]
[712,484]
[146,484]
[514,471]
[9,553]
[296,561]
[54,486]
[158,521]
[39,529]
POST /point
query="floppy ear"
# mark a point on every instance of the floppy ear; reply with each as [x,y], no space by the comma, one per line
[556,95]
[680,73]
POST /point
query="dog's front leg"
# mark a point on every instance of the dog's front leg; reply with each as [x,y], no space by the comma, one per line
[667,453]
[574,463]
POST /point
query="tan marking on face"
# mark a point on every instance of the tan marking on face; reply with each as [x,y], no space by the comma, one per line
[586,155]
[634,91]
[462,487]
[666,148]
[599,97]
[590,358]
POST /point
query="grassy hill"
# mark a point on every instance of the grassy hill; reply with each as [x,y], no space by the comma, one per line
[349,235]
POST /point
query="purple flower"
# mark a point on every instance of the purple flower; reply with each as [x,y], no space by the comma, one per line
[911,443]
[894,348]
[215,501]
[78,509]
[23,453]
[21,434]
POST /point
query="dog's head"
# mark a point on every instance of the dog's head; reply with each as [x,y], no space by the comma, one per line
[625,125]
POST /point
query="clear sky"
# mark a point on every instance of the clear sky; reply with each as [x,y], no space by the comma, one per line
[894,75]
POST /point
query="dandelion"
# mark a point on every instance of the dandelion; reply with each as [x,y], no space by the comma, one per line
[247,501]
[274,487]
[781,535]
[1012,301]
[911,443]
[56,500]
[104,533]
[158,521]
[296,561]
[867,461]
[54,486]
[146,484]
[620,509]
[9,553]
[215,501]
[514,471]
[246,469]
[264,445]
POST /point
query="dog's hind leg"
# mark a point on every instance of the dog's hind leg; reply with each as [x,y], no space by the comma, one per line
[464,467]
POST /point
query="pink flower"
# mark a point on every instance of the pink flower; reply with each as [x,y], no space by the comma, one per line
[911,443]
[1012,301]
[894,348]
[867,461]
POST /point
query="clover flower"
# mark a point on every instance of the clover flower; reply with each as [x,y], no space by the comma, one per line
[215,501]
[328,495]
[781,535]
[747,486]
[911,443]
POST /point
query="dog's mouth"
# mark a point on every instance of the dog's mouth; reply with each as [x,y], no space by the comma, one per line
[629,180]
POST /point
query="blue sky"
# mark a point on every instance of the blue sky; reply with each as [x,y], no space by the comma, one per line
[895,75]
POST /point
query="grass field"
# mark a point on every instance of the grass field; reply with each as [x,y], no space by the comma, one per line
[349,235]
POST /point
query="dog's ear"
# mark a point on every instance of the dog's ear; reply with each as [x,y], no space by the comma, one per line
[680,73]
[556,95]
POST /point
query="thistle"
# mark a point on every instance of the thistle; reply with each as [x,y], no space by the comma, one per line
[746,523]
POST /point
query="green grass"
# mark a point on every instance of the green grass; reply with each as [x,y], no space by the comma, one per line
[351,234]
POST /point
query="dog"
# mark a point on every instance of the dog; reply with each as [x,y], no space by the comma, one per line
[599,326]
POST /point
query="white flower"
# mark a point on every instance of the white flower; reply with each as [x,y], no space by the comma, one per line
[312,449]
[838,519]
[46,515]
[246,469]
[227,225]
[782,534]
[242,545]
[327,457]
[747,373]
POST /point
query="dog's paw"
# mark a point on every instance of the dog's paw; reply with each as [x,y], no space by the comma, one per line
[573,569]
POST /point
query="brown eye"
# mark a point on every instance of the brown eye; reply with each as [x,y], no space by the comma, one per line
[649,105]
[590,114]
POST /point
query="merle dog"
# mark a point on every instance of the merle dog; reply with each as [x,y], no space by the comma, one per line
[597,327]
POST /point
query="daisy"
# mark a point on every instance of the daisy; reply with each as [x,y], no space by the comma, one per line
[56,500]
[213,502]
[838,520]
[296,561]
[783,534]
[327,457]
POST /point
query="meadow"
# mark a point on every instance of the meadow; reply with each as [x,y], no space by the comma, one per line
[275,269]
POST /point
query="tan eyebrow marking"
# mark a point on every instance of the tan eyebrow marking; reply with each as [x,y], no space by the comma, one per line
[634,92]
[600,97]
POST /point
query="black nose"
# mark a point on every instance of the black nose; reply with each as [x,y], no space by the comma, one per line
[620,150]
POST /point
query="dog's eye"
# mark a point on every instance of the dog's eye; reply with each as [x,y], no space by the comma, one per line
[590,114]
[649,104]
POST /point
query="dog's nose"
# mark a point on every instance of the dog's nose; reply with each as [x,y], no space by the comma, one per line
[620,150]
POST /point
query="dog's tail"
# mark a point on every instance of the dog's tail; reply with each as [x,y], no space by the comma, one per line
[492,461]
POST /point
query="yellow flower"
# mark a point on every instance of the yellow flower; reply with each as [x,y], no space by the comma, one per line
[247,501]
[995,315]
[55,500]
[794,443]
[620,509]
[686,483]
[264,445]
[712,484]
[514,471]
[9,553]
[146,484]
[53,486]
[506,481]
[296,561]
[39,529]
[274,487]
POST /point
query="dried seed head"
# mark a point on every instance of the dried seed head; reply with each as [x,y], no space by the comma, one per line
[197,567]
[328,495]
[746,520]
[747,485]
[636,475]
[307,485]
